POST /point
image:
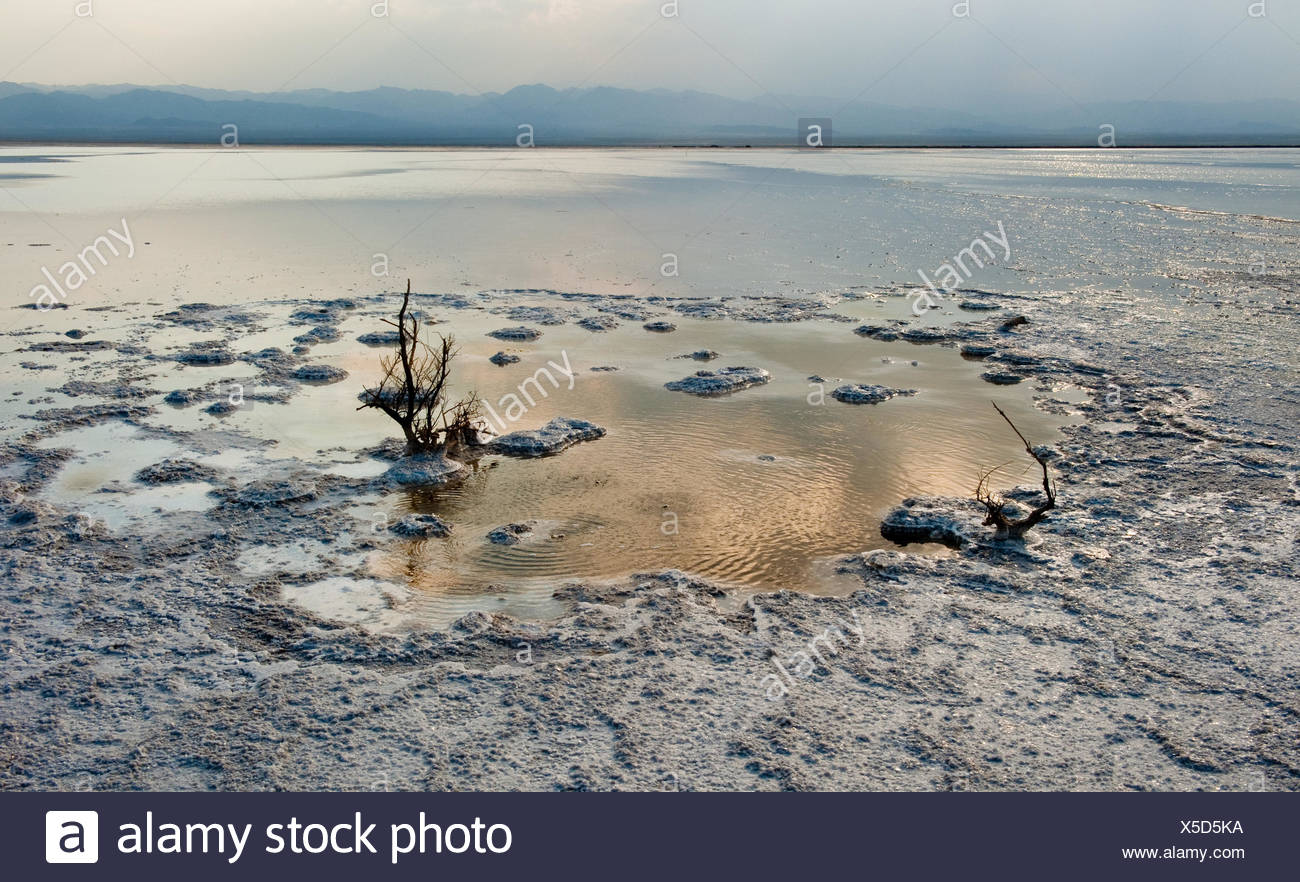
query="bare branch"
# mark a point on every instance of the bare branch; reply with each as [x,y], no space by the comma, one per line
[413,386]
[995,505]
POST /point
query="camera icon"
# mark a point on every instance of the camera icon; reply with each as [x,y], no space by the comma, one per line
[71,837]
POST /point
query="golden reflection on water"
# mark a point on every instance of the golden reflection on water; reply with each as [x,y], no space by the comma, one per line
[751,490]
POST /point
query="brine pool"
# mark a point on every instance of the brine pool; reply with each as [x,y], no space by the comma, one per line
[758,490]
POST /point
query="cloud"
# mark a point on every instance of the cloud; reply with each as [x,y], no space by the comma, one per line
[887,51]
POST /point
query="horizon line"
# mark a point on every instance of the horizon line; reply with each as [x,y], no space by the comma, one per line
[397,145]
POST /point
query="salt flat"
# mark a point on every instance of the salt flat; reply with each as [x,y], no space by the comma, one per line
[1143,638]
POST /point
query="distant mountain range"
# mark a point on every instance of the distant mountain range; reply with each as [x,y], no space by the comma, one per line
[604,116]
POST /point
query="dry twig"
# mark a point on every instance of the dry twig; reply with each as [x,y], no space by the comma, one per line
[995,505]
[412,391]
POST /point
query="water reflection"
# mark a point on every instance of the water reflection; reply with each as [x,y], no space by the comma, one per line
[752,490]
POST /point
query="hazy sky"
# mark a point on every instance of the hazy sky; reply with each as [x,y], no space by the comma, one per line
[1025,50]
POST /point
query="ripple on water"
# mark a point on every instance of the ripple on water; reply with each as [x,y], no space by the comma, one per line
[750,490]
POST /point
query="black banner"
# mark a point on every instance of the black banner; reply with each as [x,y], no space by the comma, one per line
[144,836]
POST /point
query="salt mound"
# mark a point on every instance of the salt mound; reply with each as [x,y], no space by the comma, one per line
[722,382]
[553,437]
[379,338]
[421,527]
[509,534]
[320,373]
[519,333]
[423,470]
[858,393]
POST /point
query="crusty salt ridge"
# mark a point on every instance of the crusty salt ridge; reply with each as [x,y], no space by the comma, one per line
[1001,378]
[509,534]
[424,470]
[320,373]
[1143,638]
[559,434]
[379,338]
[516,334]
[598,323]
[860,393]
[720,382]
[421,526]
